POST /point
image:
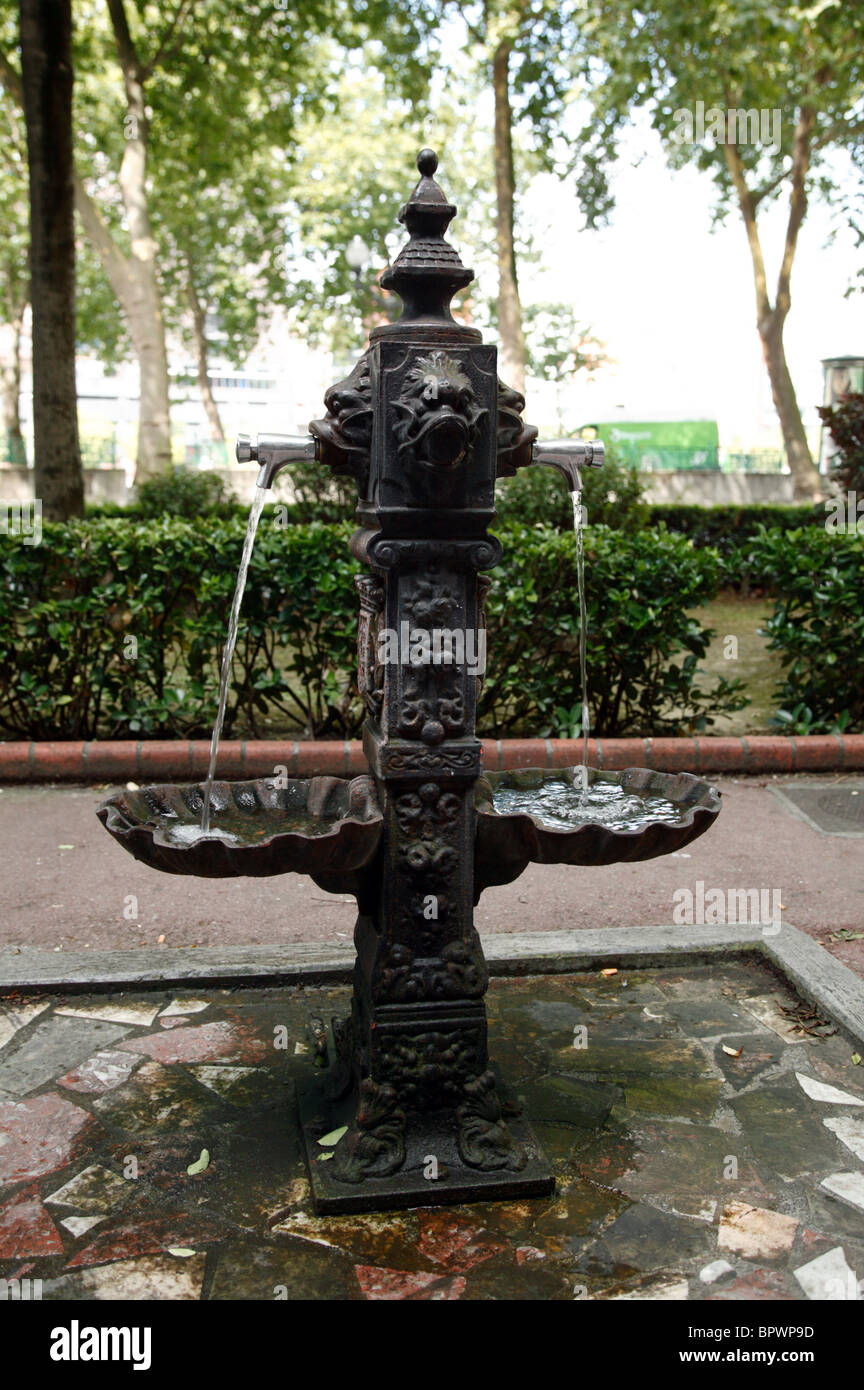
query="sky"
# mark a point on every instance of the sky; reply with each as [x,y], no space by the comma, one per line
[673,299]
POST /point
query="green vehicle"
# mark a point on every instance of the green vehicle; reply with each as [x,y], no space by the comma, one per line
[657,445]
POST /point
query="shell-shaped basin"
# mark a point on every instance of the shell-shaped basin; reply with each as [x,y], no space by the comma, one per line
[312,825]
[667,811]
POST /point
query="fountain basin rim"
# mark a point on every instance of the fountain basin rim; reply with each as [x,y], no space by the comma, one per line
[506,842]
[709,798]
[311,825]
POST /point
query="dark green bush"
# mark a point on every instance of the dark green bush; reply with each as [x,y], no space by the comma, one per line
[817,626]
[725,527]
[845,423]
[731,531]
[69,608]
[183,492]
[643,649]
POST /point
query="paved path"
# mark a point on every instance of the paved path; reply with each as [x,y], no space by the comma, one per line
[703,1149]
[64,884]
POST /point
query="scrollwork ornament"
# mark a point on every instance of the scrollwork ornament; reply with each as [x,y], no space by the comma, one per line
[374,1146]
[485,1140]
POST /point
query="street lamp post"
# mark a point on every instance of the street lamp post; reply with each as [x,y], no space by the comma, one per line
[358,256]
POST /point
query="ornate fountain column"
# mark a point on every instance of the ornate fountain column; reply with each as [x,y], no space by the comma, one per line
[421,423]
[403,1092]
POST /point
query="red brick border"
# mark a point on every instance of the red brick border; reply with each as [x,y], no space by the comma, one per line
[184,761]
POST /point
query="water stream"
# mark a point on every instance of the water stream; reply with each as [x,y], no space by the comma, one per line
[578,528]
[230,642]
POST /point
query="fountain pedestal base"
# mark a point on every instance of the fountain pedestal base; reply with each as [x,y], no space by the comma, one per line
[426,1153]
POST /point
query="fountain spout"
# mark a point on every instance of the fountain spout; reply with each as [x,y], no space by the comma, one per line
[568,456]
[273,452]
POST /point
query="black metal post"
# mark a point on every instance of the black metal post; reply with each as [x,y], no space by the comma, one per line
[423,425]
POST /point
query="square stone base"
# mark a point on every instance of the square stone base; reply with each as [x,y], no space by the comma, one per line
[428,1136]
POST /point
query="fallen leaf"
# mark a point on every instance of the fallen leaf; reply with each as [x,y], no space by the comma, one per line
[329,1141]
[856,1060]
[322,1157]
[181,1251]
[732,1051]
[611,971]
[160,939]
[200,1165]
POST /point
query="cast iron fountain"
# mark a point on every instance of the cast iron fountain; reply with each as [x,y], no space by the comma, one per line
[424,427]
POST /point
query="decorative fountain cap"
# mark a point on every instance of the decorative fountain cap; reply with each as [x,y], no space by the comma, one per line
[428,270]
[428,199]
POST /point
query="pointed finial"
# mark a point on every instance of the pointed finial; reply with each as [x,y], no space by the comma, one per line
[427,211]
[428,271]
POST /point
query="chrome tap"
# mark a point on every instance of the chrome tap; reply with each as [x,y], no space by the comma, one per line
[274,452]
[568,456]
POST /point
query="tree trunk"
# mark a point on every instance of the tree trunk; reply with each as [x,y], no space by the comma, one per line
[10,388]
[511,366]
[132,277]
[806,480]
[217,433]
[46,64]
[154,408]
[770,320]
[143,302]
[138,296]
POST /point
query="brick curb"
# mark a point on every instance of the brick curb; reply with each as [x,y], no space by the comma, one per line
[186,761]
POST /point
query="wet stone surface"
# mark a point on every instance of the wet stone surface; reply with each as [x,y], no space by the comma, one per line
[691,1161]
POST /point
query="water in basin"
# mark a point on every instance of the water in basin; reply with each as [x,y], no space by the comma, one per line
[563,805]
[246,830]
[186,835]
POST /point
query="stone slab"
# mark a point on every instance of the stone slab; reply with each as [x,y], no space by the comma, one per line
[54,1047]
[830,808]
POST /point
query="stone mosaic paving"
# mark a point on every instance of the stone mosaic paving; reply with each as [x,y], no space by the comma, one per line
[705,1148]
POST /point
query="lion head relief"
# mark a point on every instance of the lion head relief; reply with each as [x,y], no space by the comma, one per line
[439,412]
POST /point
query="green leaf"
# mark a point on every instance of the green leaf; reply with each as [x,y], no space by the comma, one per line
[331,1139]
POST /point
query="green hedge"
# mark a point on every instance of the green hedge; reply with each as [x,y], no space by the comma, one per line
[817,626]
[69,608]
[643,649]
[732,532]
[726,527]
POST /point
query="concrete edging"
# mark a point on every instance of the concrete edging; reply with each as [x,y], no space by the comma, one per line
[161,760]
[808,967]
